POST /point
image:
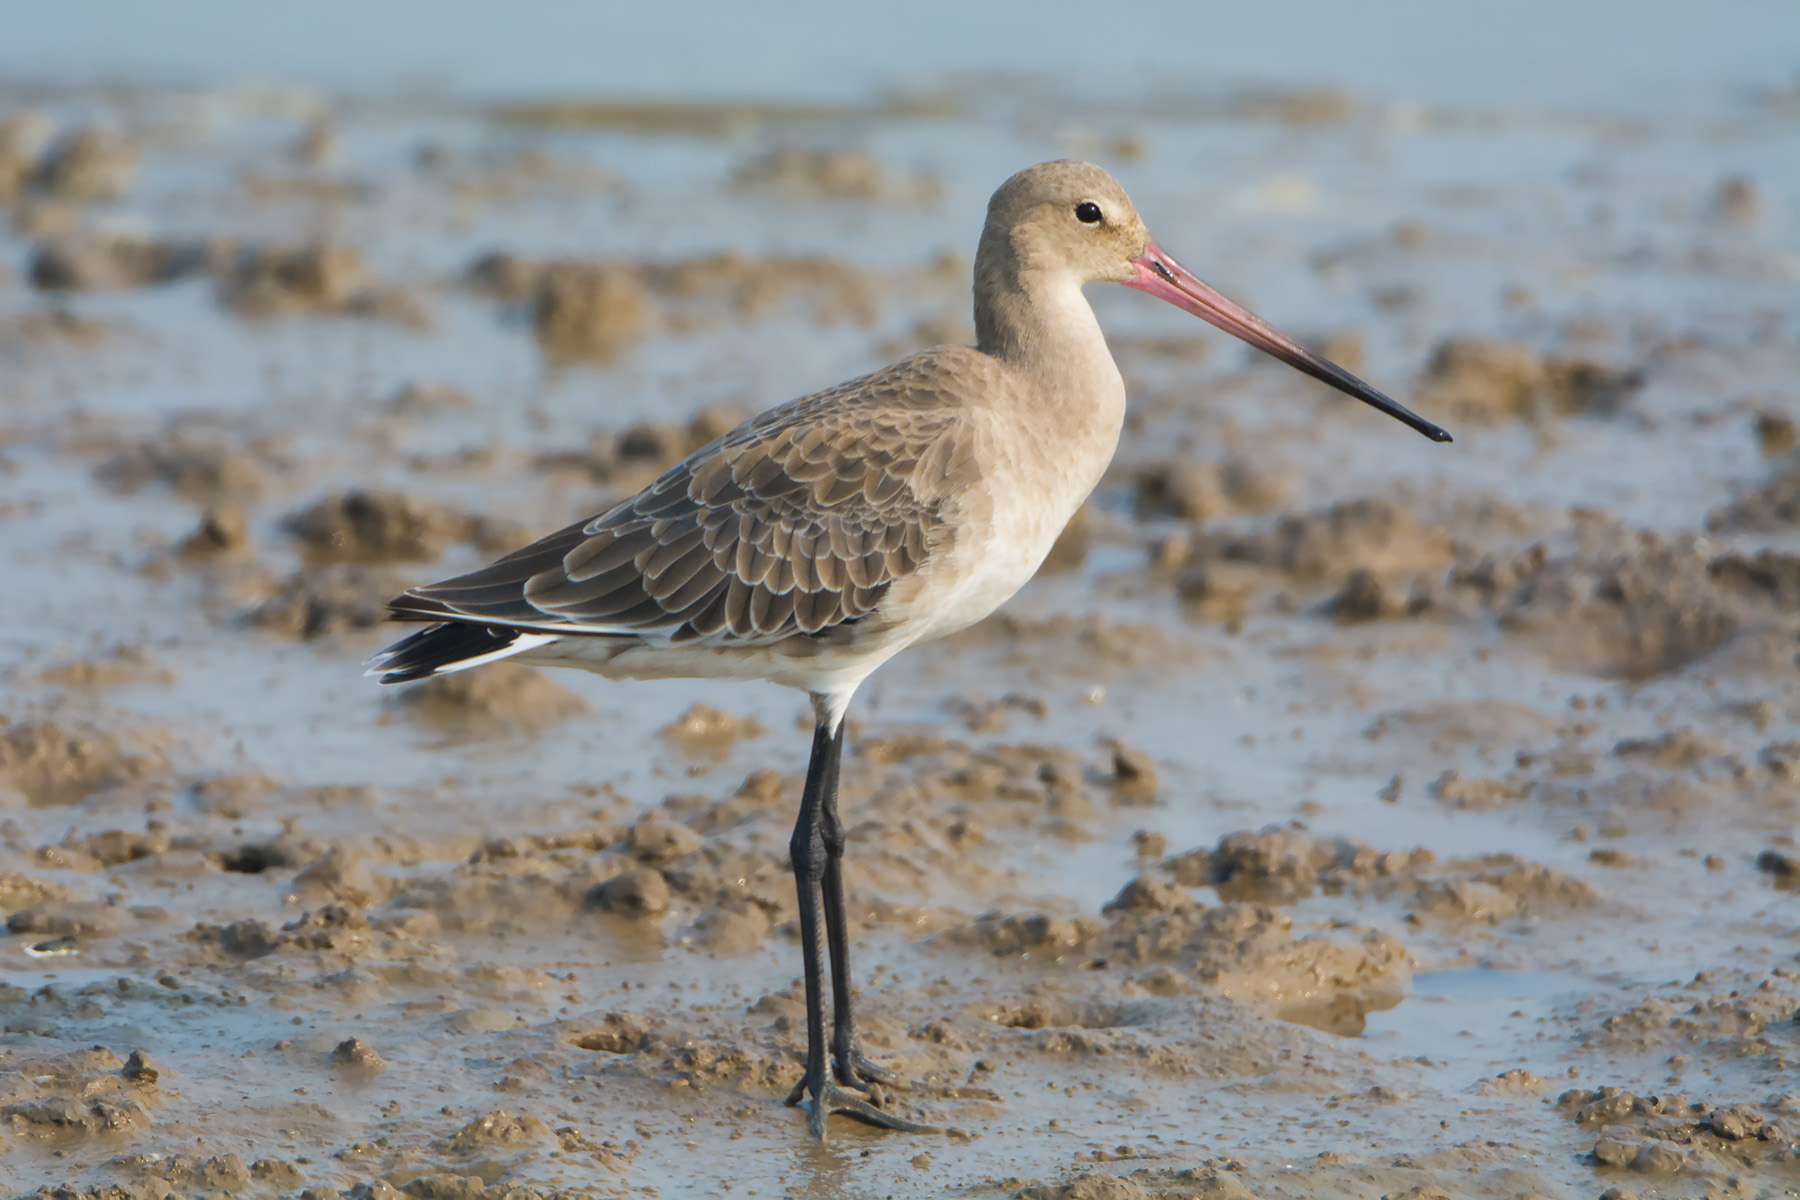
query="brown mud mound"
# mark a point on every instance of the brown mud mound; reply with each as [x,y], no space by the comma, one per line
[1616,603]
[69,1097]
[596,310]
[1655,1137]
[426,399]
[323,279]
[707,732]
[1372,534]
[1768,575]
[1201,491]
[499,699]
[121,665]
[1489,383]
[1284,864]
[1378,557]
[51,763]
[223,530]
[86,166]
[1170,943]
[589,310]
[628,459]
[23,136]
[854,174]
[199,466]
[326,600]
[360,526]
[1281,864]
[1770,506]
[1727,1014]
[102,262]
[1192,1183]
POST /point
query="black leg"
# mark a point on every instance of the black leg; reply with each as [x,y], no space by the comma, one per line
[807,851]
[849,1063]
[812,867]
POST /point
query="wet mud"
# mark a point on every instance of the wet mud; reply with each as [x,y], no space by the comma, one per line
[1336,815]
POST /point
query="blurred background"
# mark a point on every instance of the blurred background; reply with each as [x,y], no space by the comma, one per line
[1336,814]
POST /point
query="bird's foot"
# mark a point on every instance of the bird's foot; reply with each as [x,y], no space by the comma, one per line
[863,1073]
[839,1096]
[834,1098]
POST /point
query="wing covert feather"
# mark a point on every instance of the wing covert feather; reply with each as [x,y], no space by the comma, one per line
[796,521]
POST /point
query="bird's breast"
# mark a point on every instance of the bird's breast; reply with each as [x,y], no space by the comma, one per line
[1000,528]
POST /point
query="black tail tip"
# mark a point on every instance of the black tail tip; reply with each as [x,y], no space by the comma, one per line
[438,648]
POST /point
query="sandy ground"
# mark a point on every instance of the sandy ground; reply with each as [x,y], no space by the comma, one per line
[1338,815]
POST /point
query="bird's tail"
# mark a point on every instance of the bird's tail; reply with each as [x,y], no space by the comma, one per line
[452,646]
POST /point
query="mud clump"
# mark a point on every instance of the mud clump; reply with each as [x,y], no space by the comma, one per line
[1036,936]
[639,892]
[426,399]
[707,732]
[1499,887]
[140,1069]
[1201,491]
[383,527]
[1285,864]
[499,1129]
[87,165]
[589,310]
[1134,775]
[1365,596]
[55,764]
[23,137]
[499,698]
[1490,383]
[1373,535]
[281,282]
[19,892]
[596,310]
[1658,1136]
[71,1095]
[632,458]
[620,1033]
[1770,507]
[338,928]
[1275,865]
[120,665]
[1193,1183]
[1776,432]
[324,279]
[1683,747]
[1736,202]
[1631,605]
[223,530]
[1302,107]
[853,175]
[357,1055]
[324,601]
[1783,869]
[197,468]
[749,288]
[102,262]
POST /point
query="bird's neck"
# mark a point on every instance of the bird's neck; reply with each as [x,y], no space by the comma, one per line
[1041,325]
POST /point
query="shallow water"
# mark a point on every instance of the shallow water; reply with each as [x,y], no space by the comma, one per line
[1319,1020]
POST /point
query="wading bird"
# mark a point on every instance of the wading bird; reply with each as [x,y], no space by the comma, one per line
[816,541]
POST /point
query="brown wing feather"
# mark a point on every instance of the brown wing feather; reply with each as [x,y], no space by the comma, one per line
[796,521]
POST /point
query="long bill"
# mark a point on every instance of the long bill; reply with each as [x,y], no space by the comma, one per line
[1160,275]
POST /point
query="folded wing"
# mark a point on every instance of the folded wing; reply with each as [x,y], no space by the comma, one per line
[793,523]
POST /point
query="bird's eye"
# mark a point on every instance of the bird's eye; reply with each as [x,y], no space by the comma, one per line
[1087,212]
